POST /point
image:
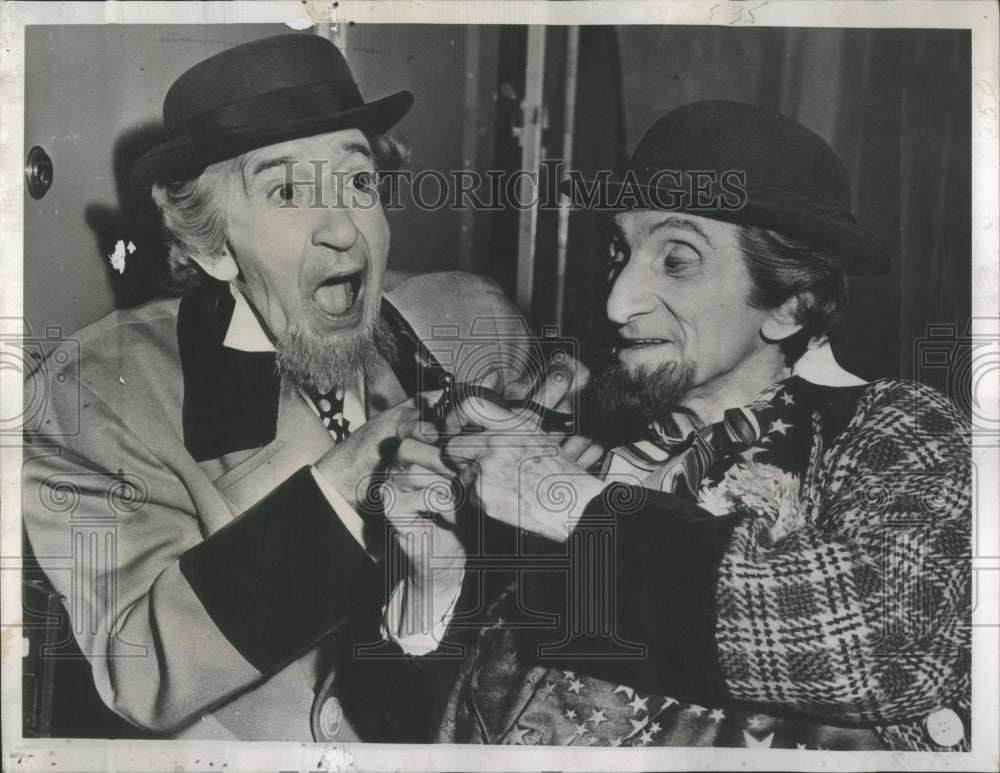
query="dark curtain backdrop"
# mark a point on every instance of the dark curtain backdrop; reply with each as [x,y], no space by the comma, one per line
[894,104]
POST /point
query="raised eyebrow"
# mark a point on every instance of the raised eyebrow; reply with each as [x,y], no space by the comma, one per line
[683,223]
[361,148]
[252,170]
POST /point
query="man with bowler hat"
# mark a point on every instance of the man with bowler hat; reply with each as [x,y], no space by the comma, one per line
[213,501]
[780,556]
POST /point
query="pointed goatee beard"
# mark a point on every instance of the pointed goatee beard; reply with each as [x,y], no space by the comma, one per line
[643,394]
[323,363]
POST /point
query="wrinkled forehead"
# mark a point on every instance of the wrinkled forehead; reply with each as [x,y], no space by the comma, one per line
[324,150]
[638,226]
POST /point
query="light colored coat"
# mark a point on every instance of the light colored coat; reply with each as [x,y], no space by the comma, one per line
[112,499]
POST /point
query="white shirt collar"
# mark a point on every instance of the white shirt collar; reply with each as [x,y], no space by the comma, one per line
[245,332]
[819,366]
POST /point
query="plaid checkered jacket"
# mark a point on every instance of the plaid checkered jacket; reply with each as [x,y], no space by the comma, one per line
[842,593]
[862,611]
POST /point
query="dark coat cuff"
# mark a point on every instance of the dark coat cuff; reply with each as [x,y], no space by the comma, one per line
[647,563]
[283,574]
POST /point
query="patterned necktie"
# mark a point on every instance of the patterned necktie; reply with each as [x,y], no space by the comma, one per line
[331,412]
[679,465]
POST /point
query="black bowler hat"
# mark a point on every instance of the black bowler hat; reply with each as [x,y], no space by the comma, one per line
[258,94]
[794,183]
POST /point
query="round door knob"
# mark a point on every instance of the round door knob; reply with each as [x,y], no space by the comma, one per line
[38,172]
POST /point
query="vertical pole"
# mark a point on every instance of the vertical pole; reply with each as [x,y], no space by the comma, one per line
[531,150]
[569,116]
[470,142]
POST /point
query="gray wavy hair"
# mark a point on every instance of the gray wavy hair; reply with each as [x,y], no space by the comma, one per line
[194,227]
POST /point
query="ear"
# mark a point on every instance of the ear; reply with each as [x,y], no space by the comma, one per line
[782,322]
[222,266]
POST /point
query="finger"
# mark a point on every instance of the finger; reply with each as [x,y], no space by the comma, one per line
[405,407]
[428,397]
[452,423]
[415,477]
[591,456]
[575,445]
[481,412]
[415,452]
[405,411]
[557,383]
[462,450]
[410,507]
[418,429]
[491,380]
[404,509]
[581,373]
[439,497]
[523,387]
[469,476]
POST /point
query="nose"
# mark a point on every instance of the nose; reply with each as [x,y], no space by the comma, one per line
[335,228]
[629,296]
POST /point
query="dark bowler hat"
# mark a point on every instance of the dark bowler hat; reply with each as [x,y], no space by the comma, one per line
[258,94]
[794,183]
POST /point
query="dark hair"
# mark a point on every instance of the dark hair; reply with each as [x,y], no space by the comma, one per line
[193,226]
[780,268]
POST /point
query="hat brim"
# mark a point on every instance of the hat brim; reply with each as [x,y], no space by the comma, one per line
[184,159]
[859,251]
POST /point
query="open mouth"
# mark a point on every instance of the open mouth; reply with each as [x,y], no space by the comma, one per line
[638,343]
[338,295]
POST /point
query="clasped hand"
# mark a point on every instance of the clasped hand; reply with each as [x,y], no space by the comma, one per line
[511,469]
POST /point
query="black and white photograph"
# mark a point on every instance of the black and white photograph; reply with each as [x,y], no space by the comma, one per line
[500,386]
